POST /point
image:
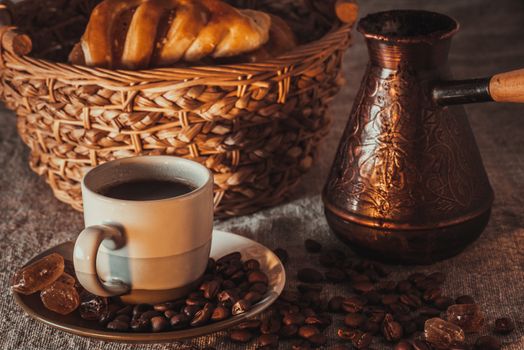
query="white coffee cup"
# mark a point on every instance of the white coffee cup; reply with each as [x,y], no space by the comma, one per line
[146,251]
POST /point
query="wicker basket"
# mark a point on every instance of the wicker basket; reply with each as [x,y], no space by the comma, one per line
[255,125]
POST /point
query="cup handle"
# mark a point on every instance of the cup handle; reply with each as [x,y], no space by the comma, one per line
[84,259]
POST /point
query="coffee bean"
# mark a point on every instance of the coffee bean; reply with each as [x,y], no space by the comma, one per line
[282,254]
[309,275]
[249,324]
[340,346]
[354,320]
[403,345]
[294,318]
[251,265]
[126,310]
[321,321]
[210,289]
[347,334]
[426,284]
[257,276]
[123,318]
[228,296]
[362,287]
[312,246]
[353,304]
[141,308]
[375,315]
[389,299]
[229,258]
[318,339]
[196,301]
[118,325]
[410,300]
[190,310]
[504,325]
[169,313]
[240,336]
[179,321]
[307,331]
[420,345]
[288,331]
[399,308]
[443,302]
[240,307]
[108,315]
[356,277]
[362,340]
[487,343]
[335,275]
[175,305]
[140,325]
[335,304]
[271,325]
[301,345]
[268,341]
[432,294]
[429,311]
[159,324]
[465,299]
[220,313]
[203,316]
[391,330]
[259,288]
[304,288]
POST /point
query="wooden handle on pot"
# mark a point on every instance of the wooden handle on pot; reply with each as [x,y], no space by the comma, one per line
[346,10]
[11,40]
[507,87]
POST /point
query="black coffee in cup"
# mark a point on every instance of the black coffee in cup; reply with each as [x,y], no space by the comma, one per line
[145,190]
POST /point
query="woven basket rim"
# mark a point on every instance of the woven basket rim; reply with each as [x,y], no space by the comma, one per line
[249,73]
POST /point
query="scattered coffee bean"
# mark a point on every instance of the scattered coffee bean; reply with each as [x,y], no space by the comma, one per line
[443,302]
[312,246]
[465,299]
[432,294]
[354,320]
[251,265]
[504,325]
[420,345]
[140,325]
[118,325]
[362,340]
[202,316]
[210,288]
[353,304]
[267,340]
[180,321]
[404,286]
[271,325]
[159,324]
[403,345]
[391,330]
[362,287]
[318,339]
[389,299]
[308,331]
[487,343]
[309,275]
[411,300]
[240,336]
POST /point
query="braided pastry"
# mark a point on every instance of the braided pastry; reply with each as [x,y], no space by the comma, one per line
[135,34]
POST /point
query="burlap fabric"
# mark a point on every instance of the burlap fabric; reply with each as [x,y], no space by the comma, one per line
[492,269]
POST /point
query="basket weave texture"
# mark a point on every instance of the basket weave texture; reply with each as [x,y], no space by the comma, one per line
[255,125]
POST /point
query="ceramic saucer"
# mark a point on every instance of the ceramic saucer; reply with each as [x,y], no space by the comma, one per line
[222,244]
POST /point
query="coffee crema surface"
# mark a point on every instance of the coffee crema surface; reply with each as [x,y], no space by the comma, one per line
[145,190]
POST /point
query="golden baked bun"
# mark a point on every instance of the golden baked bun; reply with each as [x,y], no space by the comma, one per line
[135,34]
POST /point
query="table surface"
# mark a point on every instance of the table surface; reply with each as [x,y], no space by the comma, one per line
[491,269]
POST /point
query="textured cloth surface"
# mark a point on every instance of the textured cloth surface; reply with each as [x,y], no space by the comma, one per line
[491,269]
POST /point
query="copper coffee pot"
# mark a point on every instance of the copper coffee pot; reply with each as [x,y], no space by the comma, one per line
[408,184]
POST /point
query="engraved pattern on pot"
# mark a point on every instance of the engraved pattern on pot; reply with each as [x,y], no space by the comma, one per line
[404,158]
